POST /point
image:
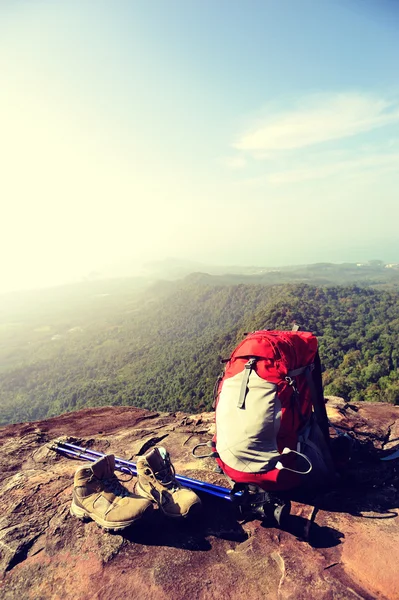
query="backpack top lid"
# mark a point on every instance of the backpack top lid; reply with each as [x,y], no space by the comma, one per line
[288,349]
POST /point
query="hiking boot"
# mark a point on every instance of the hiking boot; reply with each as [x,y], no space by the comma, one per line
[99,495]
[156,481]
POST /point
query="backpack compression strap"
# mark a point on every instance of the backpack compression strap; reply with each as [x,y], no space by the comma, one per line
[300,371]
[244,383]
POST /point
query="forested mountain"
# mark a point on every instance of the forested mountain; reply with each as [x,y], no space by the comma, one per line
[161,348]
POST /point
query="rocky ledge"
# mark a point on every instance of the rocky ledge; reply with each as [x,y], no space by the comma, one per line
[342,543]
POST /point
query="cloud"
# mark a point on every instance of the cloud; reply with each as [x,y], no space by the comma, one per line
[371,163]
[317,119]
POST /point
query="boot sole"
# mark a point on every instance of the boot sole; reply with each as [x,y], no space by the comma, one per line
[84,515]
[193,510]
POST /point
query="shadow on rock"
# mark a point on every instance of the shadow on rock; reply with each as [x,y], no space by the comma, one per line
[216,520]
[368,487]
[310,532]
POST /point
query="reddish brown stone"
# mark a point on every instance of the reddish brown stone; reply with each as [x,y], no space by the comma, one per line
[341,544]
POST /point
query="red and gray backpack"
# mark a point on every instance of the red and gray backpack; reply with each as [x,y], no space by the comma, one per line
[271,422]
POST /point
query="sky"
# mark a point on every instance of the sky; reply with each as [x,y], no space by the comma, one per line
[226,132]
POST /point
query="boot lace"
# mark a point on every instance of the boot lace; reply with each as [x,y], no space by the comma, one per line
[114,485]
[167,476]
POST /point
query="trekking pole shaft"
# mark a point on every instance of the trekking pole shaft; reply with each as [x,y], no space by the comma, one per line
[88,457]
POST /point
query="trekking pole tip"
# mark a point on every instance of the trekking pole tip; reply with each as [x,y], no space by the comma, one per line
[53,446]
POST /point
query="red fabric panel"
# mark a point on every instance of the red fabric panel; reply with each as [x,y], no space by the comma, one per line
[274,480]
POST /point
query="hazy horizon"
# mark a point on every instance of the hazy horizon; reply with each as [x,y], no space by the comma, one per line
[161,269]
[222,133]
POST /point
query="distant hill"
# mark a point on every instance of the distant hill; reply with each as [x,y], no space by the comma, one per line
[159,347]
[367,275]
[373,272]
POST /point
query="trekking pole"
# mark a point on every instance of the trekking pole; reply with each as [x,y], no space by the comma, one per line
[89,457]
[126,466]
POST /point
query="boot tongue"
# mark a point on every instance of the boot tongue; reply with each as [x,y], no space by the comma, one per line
[156,460]
[159,461]
[104,467]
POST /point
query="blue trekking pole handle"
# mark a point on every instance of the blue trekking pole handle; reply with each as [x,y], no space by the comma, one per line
[127,466]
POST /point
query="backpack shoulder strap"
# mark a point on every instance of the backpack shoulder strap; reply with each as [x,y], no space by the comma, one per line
[316,391]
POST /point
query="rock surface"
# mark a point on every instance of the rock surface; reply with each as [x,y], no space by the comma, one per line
[339,544]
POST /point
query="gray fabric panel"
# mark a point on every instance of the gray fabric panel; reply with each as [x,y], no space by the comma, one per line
[246,439]
[312,443]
